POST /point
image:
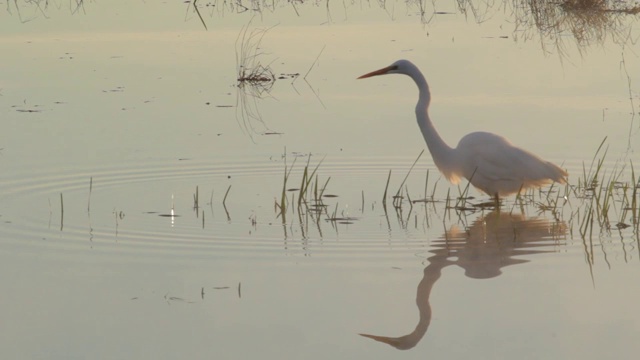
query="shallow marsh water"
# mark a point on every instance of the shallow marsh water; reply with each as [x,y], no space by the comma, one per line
[114,116]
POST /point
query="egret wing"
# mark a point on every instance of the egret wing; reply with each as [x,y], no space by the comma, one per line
[495,166]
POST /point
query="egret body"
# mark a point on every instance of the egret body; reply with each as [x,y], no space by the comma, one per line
[488,161]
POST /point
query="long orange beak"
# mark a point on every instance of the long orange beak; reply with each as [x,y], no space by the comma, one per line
[378,72]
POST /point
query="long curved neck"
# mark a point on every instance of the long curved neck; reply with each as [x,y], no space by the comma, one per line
[441,152]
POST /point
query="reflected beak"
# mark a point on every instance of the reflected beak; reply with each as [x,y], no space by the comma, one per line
[397,343]
[378,72]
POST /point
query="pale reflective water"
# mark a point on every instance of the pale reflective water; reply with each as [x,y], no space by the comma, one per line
[117,118]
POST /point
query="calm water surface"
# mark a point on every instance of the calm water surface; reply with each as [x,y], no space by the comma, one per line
[118,117]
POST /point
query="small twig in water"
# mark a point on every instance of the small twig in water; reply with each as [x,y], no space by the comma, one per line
[90,188]
[225,197]
[314,63]
[61,212]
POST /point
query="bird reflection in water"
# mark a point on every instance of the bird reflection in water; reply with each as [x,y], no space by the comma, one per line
[488,245]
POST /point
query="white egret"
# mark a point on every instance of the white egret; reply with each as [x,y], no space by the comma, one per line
[489,161]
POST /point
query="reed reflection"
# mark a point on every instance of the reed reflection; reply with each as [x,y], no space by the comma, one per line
[482,250]
[557,23]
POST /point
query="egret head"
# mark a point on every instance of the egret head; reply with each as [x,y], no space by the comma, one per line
[399,67]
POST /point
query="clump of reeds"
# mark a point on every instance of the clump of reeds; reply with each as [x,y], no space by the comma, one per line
[610,201]
[310,193]
[249,54]
[601,6]
[588,21]
[402,190]
[254,80]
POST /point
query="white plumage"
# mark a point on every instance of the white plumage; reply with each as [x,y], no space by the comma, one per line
[489,161]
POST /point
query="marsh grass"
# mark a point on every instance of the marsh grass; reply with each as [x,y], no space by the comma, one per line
[281,206]
[589,181]
[224,203]
[386,188]
[196,199]
[587,21]
[61,212]
[196,9]
[305,201]
[605,199]
[609,202]
[254,80]
[89,197]
[397,199]
[463,197]
[558,24]
[249,54]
